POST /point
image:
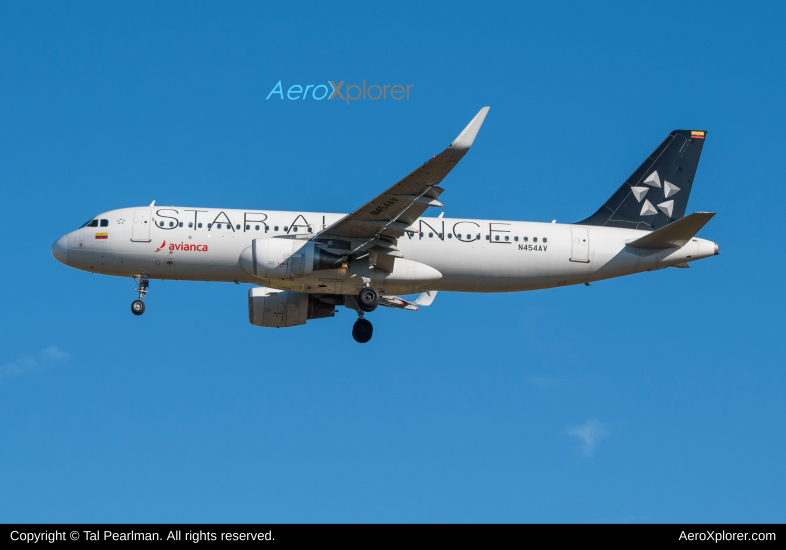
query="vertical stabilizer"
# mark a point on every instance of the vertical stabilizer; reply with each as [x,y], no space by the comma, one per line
[657,193]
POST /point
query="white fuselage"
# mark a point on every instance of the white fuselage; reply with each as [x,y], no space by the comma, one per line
[206,244]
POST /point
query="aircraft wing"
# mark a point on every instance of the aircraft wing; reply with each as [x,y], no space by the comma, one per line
[394,211]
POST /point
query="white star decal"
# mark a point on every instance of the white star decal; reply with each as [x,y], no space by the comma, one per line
[653,180]
[670,189]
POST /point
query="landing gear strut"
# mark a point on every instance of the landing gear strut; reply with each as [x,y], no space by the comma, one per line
[368,299]
[138,306]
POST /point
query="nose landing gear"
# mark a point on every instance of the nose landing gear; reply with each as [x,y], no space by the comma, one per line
[367,300]
[138,306]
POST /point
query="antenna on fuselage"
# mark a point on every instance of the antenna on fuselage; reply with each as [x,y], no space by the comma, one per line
[153,203]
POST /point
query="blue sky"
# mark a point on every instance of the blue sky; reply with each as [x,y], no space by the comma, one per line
[652,398]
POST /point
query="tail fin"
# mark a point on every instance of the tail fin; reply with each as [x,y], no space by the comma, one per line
[657,192]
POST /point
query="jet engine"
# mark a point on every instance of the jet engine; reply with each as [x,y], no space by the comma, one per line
[275,258]
[284,309]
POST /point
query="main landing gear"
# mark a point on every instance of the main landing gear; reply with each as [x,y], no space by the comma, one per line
[138,306]
[368,299]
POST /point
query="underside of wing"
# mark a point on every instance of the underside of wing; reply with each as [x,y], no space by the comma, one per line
[393,212]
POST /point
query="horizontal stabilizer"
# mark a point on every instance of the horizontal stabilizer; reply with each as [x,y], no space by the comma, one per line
[676,234]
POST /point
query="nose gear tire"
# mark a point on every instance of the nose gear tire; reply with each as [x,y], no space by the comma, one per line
[362,331]
[137,307]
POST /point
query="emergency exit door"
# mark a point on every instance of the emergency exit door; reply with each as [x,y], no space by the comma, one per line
[580,245]
[141,230]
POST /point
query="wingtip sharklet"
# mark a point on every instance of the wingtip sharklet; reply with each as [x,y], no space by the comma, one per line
[467,135]
[426,298]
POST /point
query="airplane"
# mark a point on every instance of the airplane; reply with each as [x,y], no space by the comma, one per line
[305,264]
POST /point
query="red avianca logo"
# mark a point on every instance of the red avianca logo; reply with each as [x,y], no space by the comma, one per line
[183,247]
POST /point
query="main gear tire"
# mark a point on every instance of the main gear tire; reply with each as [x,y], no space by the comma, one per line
[362,331]
[368,299]
[137,307]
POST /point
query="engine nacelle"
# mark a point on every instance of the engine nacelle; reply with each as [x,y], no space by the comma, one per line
[273,258]
[284,309]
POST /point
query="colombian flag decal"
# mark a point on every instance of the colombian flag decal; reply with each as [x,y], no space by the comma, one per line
[697,135]
[102,235]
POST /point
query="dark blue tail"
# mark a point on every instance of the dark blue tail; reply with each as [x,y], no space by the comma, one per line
[657,193]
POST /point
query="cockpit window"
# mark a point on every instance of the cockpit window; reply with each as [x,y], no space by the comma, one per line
[104,223]
[92,223]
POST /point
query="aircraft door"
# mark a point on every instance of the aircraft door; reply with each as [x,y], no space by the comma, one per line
[580,245]
[140,232]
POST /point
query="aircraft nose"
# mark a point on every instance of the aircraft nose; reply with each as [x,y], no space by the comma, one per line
[60,250]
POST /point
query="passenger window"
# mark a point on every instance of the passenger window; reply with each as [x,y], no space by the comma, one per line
[431,235]
[516,239]
[190,224]
[171,224]
[237,226]
[180,224]
[478,237]
[275,228]
[200,225]
[256,228]
[450,235]
[534,239]
[248,227]
[286,229]
[440,235]
[496,238]
[218,226]
[526,239]
[294,229]
[267,228]
[411,234]
[210,226]
[104,223]
[545,240]
[507,238]
[309,230]
[488,237]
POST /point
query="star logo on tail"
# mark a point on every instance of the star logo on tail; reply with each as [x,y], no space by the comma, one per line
[654,182]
